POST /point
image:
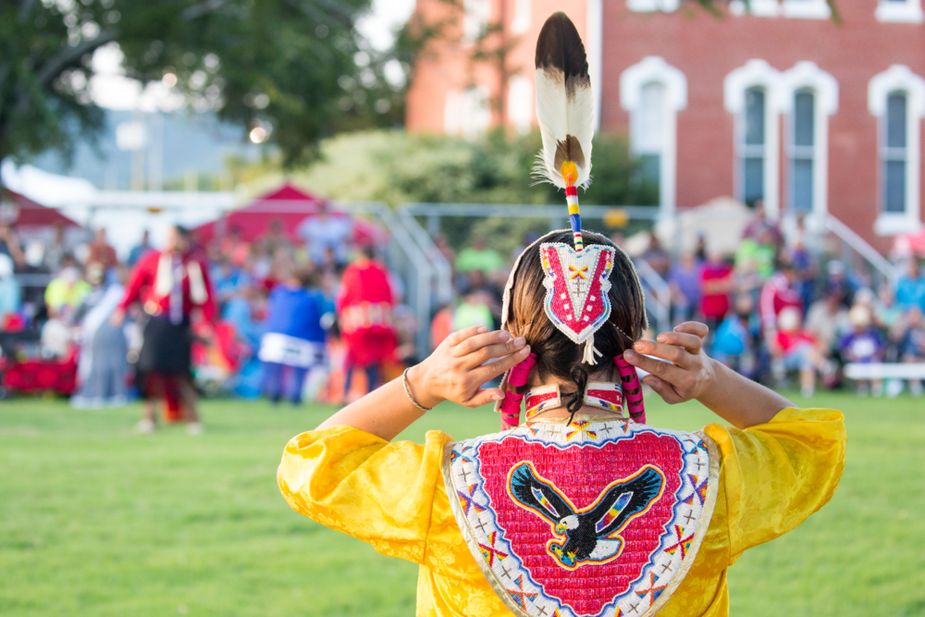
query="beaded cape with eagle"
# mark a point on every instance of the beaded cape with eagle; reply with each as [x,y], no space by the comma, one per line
[583,518]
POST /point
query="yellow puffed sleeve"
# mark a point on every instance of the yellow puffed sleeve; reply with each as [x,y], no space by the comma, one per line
[364,486]
[776,474]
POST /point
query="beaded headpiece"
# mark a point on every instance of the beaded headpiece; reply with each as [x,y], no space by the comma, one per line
[576,277]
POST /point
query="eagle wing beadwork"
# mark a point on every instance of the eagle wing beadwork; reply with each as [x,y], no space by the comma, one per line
[585,536]
[538,495]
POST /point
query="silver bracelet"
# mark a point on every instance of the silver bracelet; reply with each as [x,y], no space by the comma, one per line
[408,393]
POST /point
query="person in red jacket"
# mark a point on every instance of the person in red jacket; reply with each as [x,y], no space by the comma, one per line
[364,313]
[169,285]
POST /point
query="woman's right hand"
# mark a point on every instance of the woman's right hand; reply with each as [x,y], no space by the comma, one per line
[463,363]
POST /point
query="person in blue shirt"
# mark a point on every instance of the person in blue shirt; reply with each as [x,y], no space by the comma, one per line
[910,288]
[227,280]
[140,250]
[736,338]
[294,337]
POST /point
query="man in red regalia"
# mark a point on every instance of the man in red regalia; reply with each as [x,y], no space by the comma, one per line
[169,285]
[364,311]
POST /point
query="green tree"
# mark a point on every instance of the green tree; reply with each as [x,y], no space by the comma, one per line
[290,65]
[397,167]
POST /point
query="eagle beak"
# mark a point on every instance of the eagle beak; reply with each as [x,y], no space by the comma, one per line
[560,528]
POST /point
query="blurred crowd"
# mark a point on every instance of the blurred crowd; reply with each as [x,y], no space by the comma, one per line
[308,312]
[780,310]
[287,315]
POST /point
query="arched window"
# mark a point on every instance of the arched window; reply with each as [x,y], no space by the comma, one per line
[653,92]
[894,153]
[753,145]
[802,151]
[751,93]
[647,130]
[809,97]
[897,98]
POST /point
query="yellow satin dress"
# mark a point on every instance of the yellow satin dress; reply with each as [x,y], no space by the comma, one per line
[391,494]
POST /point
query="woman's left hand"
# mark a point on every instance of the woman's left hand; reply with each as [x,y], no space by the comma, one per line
[684,371]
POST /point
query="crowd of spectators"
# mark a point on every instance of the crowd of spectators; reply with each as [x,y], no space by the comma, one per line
[780,309]
[269,284]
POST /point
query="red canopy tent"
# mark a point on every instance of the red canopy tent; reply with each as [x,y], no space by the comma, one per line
[20,212]
[287,204]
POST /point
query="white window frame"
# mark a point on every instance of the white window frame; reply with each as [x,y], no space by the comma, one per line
[523,10]
[757,8]
[632,81]
[520,97]
[802,152]
[806,9]
[757,73]
[651,6]
[466,112]
[806,75]
[594,31]
[899,77]
[475,20]
[907,12]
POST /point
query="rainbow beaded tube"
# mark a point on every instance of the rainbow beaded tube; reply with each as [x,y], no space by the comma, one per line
[570,175]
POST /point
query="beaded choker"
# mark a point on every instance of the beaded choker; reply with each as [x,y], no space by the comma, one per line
[603,395]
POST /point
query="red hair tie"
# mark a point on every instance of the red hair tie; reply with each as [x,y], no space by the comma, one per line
[510,407]
[632,389]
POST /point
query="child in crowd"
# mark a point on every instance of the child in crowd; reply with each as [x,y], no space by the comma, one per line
[794,349]
[863,345]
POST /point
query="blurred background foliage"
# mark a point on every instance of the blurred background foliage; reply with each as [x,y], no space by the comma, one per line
[276,63]
[397,167]
[297,68]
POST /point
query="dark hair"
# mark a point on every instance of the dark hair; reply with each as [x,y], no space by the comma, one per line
[368,251]
[557,355]
[308,277]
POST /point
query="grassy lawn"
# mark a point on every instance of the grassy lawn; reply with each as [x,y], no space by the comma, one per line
[95,520]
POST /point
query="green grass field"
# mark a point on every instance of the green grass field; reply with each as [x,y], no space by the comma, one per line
[95,520]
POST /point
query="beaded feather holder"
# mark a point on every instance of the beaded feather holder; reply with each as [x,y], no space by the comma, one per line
[576,277]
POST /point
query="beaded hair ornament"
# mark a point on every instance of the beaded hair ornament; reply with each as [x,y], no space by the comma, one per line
[576,277]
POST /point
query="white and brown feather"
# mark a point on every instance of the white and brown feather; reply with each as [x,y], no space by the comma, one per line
[564,102]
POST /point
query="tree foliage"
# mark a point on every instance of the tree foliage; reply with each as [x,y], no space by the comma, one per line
[396,167]
[297,66]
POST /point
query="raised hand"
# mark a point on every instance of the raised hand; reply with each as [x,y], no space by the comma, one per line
[463,363]
[683,371]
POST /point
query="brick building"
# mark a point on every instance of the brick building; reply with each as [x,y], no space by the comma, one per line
[772,100]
